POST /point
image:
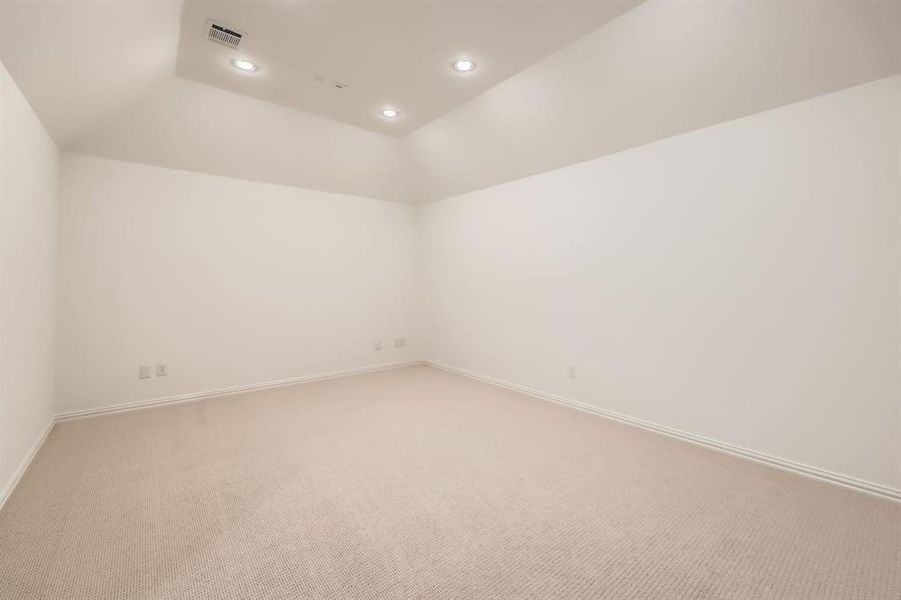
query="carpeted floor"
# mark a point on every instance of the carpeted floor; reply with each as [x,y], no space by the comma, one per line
[416,483]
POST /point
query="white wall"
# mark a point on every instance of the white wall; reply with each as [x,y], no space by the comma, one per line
[228,281]
[739,282]
[28,206]
[661,69]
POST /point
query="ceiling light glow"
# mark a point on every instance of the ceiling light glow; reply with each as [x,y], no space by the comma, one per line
[389,113]
[244,65]
[464,65]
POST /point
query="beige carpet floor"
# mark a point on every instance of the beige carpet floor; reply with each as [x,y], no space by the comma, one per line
[417,483]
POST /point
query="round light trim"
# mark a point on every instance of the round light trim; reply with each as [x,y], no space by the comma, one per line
[244,65]
[464,65]
[389,113]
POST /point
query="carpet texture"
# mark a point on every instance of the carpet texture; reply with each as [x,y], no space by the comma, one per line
[417,483]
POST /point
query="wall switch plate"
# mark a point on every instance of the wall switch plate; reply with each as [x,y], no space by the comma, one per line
[144,372]
[572,372]
[377,345]
[399,342]
[162,370]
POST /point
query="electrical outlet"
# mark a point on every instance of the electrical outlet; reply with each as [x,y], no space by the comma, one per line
[377,345]
[162,370]
[572,372]
[144,372]
[399,342]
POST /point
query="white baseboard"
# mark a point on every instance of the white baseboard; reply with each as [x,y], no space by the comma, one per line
[23,466]
[780,463]
[141,404]
[759,457]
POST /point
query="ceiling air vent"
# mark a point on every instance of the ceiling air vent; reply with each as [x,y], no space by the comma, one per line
[225,36]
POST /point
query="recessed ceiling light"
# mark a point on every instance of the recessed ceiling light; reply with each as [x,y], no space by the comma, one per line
[389,113]
[244,65]
[464,65]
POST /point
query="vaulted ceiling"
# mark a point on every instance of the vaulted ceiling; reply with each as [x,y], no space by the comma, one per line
[386,53]
[556,82]
[81,62]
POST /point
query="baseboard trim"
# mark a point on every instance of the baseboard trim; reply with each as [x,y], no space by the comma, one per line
[142,404]
[24,464]
[154,402]
[759,457]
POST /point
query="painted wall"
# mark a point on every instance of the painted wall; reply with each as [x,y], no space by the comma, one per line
[229,282]
[739,282]
[661,69]
[28,213]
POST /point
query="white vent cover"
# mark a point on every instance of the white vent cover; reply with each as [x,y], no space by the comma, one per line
[223,35]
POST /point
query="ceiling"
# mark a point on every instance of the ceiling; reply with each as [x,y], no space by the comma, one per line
[79,62]
[186,125]
[101,76]
[661,69]
[388,53]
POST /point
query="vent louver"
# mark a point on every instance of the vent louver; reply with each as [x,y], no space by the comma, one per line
[225,36]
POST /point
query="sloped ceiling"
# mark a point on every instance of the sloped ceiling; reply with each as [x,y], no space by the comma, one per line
[387,53]
[101,76]
[190,126]
[661,69]
[77,62]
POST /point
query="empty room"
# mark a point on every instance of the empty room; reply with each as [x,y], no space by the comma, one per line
[450,299]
